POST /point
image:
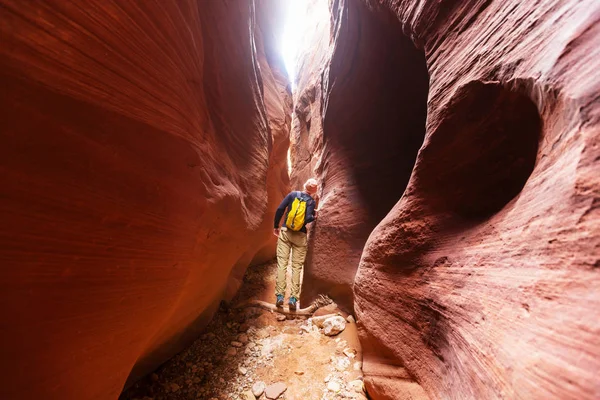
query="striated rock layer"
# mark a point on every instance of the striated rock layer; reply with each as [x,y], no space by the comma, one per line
[141,151]
[479,274]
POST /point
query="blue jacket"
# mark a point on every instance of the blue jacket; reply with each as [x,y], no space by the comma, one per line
[287,203]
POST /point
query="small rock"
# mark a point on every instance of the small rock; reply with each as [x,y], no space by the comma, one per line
[334,386]
[341,364]
[350,319]
[318,321]
[174,387]
[327,378]
[357,366]
[350,353]
[242,370]
[247,395]
[236,344]
[299,372]
[275,390]
[263,334]
[334,325]
[281,317]
[243,338]
[258,388]
[356,385]
[231,351]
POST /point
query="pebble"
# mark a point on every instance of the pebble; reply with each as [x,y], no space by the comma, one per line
[334,386]
[275,390]
[258,388]
[341,364]
[236,344]
[243,338]
[281,317]
[262,334]
[350,353]
[231,351]
[247,395]
[242,370]
[350,319]
[356,385]
[174,387]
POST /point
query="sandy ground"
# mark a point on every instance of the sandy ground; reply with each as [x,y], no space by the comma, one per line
[242,347]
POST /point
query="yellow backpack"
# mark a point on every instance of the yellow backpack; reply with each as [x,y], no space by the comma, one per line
[296,216]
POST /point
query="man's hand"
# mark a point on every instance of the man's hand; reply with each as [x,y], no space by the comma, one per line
[276,232]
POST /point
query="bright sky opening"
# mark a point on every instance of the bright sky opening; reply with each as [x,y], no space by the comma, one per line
[300,16]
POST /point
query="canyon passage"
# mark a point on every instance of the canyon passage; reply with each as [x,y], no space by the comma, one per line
[145,146]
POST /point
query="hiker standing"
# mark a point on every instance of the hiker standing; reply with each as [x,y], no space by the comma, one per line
[292,236]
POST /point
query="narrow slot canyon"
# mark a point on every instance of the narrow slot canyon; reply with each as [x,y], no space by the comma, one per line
[146,147]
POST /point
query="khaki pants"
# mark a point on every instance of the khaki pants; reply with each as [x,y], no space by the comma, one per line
[296,242]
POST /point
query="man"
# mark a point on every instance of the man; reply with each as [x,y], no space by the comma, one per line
[292,236]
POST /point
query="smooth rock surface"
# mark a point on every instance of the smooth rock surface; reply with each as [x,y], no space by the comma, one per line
[456,146]
[143,149]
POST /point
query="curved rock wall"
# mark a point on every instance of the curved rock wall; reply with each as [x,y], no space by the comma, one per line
[482,279]
[141,153]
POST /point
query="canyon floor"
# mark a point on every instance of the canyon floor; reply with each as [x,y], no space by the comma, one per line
[243,351]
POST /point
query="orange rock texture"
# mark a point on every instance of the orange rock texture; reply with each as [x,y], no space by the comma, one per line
[143,150]
[458,148]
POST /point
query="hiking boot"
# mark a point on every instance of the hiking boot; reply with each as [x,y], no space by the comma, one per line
[279,302]
[292,303]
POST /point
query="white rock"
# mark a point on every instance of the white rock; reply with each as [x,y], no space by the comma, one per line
[350,319]
[318,321]
[350,353]
[356,385]
[342,363]
[258,388]
[334,325]
[334,386]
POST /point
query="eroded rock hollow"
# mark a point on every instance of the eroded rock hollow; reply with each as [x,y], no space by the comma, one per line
[143,151]
[456,143]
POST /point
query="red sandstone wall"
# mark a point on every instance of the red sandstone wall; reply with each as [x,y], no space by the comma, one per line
[482,279]
[141,149]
